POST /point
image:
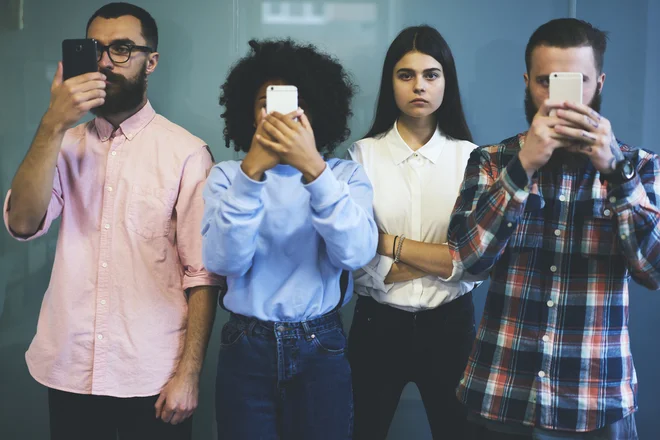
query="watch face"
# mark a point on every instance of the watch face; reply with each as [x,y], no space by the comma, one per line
[628,170]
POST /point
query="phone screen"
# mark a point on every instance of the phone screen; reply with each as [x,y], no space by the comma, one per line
[282,99]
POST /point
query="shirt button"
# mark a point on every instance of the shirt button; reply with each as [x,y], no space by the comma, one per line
[114,153]
[107,226]
[509,224]
[557,232]
[623,236]
[553,268]
[416,155]
[607,213]
[100,337]
[103,302]
[110,188]
[612,199]
[562,198]
[541,374]
[546,338]
[550,303]
[104,264]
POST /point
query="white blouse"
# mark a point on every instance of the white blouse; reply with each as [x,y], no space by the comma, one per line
[414,194]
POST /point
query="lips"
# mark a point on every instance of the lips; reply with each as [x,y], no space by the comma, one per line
[419,101]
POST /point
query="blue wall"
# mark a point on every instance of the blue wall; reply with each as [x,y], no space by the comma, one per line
[201,40]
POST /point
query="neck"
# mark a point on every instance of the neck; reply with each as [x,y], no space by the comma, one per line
[117,118]
[416,132]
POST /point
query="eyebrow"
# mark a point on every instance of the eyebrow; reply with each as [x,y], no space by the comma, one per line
[123,41]
[408,69]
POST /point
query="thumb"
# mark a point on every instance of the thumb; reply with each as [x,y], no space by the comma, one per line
[159,404]
[58,79]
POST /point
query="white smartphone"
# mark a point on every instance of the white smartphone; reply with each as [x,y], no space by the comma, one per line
[283,99]
[566,86]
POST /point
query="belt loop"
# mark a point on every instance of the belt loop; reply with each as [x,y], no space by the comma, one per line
[251,325]
[308,332]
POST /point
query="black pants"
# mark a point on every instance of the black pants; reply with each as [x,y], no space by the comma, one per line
[88,417]
[388,348]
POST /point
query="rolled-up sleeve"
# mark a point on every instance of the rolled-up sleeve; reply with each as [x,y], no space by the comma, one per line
[55,207]
[189,211]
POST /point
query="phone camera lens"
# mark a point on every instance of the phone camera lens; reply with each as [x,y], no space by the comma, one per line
[78,48]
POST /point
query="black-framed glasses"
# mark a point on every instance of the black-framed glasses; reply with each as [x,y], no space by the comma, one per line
[119,53]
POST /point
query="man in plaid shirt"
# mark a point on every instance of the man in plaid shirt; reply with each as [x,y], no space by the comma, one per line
[561,216]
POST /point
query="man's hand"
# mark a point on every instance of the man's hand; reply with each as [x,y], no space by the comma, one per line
[592,135]
[293,141]
[70,100]
[178,400]
[542,139]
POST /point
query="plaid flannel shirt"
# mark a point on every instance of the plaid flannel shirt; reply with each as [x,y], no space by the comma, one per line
[553,349]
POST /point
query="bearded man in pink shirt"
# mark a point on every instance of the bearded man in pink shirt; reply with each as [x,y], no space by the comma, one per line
[126,319]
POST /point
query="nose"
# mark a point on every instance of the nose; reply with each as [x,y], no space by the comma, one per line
[419,86]
[105,61]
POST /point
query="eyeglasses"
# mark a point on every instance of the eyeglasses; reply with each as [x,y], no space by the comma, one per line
[119,53]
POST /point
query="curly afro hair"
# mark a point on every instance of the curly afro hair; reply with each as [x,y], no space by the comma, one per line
[322,83]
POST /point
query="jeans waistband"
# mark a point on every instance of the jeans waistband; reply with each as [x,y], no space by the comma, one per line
[284,329]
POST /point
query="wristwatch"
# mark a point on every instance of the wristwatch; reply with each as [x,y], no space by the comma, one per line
[623,172]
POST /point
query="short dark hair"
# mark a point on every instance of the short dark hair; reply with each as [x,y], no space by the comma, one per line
[322,83]
[120,9]
[450,115]
[565,33]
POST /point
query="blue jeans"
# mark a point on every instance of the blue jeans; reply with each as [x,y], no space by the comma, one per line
[284,380]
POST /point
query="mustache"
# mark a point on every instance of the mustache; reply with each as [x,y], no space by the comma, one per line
[111,76]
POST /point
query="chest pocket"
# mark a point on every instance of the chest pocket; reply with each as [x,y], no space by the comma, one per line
[529,232]
[598,239]
[150,211]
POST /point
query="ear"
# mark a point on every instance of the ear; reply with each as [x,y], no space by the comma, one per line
[600,83]
[152,62]
[526,78]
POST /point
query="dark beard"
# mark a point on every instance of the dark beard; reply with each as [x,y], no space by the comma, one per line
[561,156]
[122,94]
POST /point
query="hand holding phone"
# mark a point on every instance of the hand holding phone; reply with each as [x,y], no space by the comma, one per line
[84,89]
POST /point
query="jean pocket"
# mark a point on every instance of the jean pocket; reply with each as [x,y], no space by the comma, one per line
[231,335]
[150,211]
[330,342]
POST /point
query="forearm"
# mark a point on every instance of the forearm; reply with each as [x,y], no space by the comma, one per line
[33,183]
[431,258]
[202,305]
[401,272]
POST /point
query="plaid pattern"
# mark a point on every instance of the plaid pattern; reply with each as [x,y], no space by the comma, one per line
[553,348]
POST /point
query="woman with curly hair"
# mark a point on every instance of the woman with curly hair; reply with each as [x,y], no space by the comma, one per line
[286,227]
[414,319]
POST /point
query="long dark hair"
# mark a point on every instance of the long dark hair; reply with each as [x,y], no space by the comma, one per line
[427,40]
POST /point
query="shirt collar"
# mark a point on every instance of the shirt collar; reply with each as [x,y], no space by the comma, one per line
[130,127]
[401,151]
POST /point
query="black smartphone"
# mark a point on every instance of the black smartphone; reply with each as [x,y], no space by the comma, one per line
[78,57]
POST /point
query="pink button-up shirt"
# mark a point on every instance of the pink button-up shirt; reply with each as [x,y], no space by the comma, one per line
[114,317]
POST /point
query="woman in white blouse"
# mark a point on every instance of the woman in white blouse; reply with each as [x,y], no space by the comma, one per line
[414,319]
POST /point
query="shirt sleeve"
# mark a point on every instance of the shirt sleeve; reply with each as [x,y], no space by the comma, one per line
[233,212]
[55,206]
[635,205]
[489,206]
[342,213]
[189,211]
